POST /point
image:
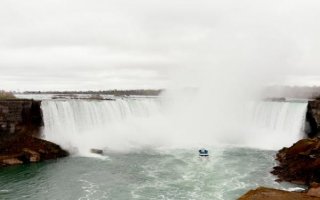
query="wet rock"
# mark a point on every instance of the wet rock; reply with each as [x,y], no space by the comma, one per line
[96,151]
[19,149]
[300,163]
[314,190]
[11,161]
[20,127]
[32,155]
[313,117]
[263,193]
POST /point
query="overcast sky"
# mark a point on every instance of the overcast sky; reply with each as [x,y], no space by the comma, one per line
[128,44]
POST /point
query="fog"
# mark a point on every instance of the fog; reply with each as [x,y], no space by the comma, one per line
[79,45]
[225,52]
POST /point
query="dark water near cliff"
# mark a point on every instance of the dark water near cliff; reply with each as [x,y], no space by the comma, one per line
[171,174]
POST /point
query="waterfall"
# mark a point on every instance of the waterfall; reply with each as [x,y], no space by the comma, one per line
[276,124]
[79,125]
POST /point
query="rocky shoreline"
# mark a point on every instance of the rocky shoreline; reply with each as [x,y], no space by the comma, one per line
[20,131]
[23,149]
[298,164]
[263,193]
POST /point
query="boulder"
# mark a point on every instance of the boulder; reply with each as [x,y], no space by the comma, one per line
[263,193]
[33,156]
[19,149]
[314,190]
[300,163]
[96,151]
[11,161]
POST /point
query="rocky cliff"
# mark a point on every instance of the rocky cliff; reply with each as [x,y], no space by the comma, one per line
[20,128]
[20,116]
[313,117]
[299,163]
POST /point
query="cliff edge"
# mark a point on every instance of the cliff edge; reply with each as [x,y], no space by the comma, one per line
[20,130]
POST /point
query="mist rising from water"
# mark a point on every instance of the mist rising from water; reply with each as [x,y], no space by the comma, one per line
[253,44]
[136,124]
[242,48]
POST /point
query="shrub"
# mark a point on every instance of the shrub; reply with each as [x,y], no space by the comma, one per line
[6,95]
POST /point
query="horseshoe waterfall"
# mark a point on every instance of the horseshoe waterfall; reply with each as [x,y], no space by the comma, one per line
[123,124]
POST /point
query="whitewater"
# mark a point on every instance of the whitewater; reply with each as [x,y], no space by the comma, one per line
[127,123]
[148,155]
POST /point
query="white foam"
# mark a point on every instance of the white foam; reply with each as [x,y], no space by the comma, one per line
[134,124]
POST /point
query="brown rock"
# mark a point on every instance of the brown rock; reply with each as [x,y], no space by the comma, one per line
[314,190]
[20,126]
[20,116]
[12,161]
[28,149]
[32,155]
[263,193]
[300,163]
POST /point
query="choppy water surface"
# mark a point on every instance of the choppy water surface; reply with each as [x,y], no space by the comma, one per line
[156,175]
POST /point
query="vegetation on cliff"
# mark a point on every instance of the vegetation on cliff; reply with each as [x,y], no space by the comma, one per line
[6,95]
[148,92]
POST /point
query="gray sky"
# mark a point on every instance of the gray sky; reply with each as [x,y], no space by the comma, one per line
[127,44]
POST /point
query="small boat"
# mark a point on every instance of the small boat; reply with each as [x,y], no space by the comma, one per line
[203,152]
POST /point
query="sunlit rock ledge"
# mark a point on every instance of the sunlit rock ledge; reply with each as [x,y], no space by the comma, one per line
[20,125]
[263,193]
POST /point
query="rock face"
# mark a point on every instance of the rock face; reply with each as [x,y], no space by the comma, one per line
[300,163]
[313,117]
[27,149]
[314,190]
[11,161]
[20,115]
[96,151]
[32,155]
[273,194]
[20,125]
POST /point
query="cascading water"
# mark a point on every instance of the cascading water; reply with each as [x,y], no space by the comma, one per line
[279,116]
[83,124]
[276,124]
[125,124]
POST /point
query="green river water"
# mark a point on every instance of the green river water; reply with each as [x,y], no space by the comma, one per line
[171,174]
